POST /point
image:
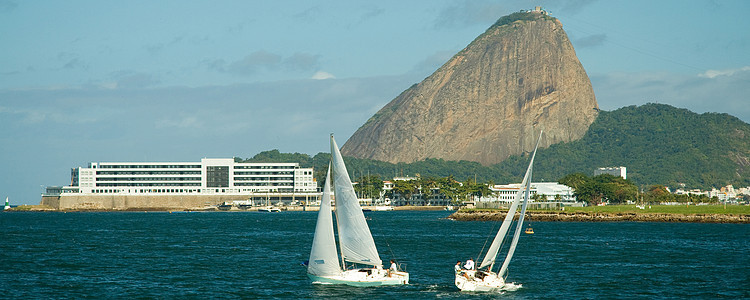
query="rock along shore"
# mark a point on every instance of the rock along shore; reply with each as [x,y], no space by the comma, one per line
[559,216]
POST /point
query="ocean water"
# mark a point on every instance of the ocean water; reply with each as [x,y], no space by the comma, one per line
[258,255]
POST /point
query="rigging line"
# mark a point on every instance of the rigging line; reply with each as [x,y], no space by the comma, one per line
[385,238]
[490,235]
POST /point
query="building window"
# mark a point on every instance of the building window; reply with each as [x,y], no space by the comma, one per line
[217,176]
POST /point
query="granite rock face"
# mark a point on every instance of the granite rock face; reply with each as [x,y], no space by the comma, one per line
[489,101]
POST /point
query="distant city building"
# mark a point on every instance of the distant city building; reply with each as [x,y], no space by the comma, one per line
[614,171]
[222,176]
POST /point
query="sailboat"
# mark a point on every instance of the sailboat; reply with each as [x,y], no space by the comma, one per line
[483,279]
[7,206]
[360,263]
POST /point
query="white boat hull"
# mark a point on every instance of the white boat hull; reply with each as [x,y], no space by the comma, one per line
[269,209]
[488,283]
[363,277]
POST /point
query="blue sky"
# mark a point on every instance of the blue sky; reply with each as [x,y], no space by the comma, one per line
[87,81]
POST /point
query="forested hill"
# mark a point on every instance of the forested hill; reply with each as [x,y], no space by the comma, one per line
[659,144]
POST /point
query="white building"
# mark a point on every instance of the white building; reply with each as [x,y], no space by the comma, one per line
[614,171]
[551,191]
[209,176]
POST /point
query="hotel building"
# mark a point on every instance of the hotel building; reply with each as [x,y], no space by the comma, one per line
[181,184]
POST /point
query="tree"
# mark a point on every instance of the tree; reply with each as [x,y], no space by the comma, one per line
[574,180]
[403,187]
[368,186]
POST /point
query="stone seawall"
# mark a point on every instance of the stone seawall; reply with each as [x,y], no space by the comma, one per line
[603,217]
[137,202]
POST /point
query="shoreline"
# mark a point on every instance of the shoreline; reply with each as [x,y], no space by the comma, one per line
[560,216]
[44,208]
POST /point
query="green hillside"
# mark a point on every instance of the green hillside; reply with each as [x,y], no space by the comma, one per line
[659,144]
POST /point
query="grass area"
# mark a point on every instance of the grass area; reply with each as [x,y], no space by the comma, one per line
[667,209]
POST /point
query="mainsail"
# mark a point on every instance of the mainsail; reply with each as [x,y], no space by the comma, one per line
[355,238]
[489,258]
[519,226]
[324,260]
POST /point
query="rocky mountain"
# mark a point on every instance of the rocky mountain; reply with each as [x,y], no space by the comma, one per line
[489,101]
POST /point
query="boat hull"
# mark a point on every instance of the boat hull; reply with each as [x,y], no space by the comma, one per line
[269,209]
[363,278]
[473,283]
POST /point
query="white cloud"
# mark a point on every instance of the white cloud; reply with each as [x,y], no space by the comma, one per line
[728,72]
[320,75]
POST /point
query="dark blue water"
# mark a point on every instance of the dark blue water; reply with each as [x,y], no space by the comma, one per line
[257,255]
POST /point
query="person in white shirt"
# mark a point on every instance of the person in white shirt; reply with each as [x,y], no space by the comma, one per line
[469,264]
[393,268]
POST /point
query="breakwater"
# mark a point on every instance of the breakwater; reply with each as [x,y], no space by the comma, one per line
[561,216]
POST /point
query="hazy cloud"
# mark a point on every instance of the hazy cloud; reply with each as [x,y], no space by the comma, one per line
[155,49]
[179,122]
[301,61]
[133,80]
[696,93]
[254,62]
[371,11]
[75,64]
[573,6]
[430,64]
[309,15]
[470,12]
[264,61]
[591,40]
[71,61]
[7,5]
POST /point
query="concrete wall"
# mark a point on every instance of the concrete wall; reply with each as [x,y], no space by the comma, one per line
[136,202]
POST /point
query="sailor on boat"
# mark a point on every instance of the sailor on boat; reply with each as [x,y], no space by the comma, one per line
[469,264]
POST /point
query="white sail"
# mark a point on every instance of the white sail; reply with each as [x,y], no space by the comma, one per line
[489,258]
[497,243]
[355,238]
[324,260]
[519,226]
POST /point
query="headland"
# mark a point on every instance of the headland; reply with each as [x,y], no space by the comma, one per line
[709,216]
